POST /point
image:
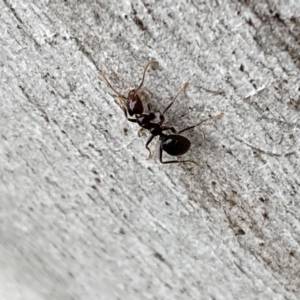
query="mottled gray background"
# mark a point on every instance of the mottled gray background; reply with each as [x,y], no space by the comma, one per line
[83,214]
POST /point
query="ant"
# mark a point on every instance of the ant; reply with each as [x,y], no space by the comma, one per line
[173,144]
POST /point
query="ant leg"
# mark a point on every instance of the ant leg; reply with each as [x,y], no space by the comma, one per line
[174,161]
[193,126]
[129,119]
[147,144]
[162,118]
[185,85]
[152,62]
[164,128]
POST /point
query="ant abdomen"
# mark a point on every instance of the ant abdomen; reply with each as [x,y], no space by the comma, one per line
[175,145]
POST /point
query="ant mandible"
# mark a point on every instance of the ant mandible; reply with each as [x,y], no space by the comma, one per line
[132,104]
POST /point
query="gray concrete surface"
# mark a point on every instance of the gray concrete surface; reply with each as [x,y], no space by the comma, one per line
[84,215]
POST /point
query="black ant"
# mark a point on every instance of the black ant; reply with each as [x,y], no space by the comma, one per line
[174,144]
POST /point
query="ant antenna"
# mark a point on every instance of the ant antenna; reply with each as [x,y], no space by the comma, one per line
[152,62]
[193,126]
[184,86]
[108,83]
[140,85]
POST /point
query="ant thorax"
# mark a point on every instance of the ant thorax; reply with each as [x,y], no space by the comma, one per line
[148,120]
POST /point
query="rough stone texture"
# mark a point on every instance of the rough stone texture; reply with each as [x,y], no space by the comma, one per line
[84,215]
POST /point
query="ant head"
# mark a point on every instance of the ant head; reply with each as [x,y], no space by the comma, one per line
[134,103]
